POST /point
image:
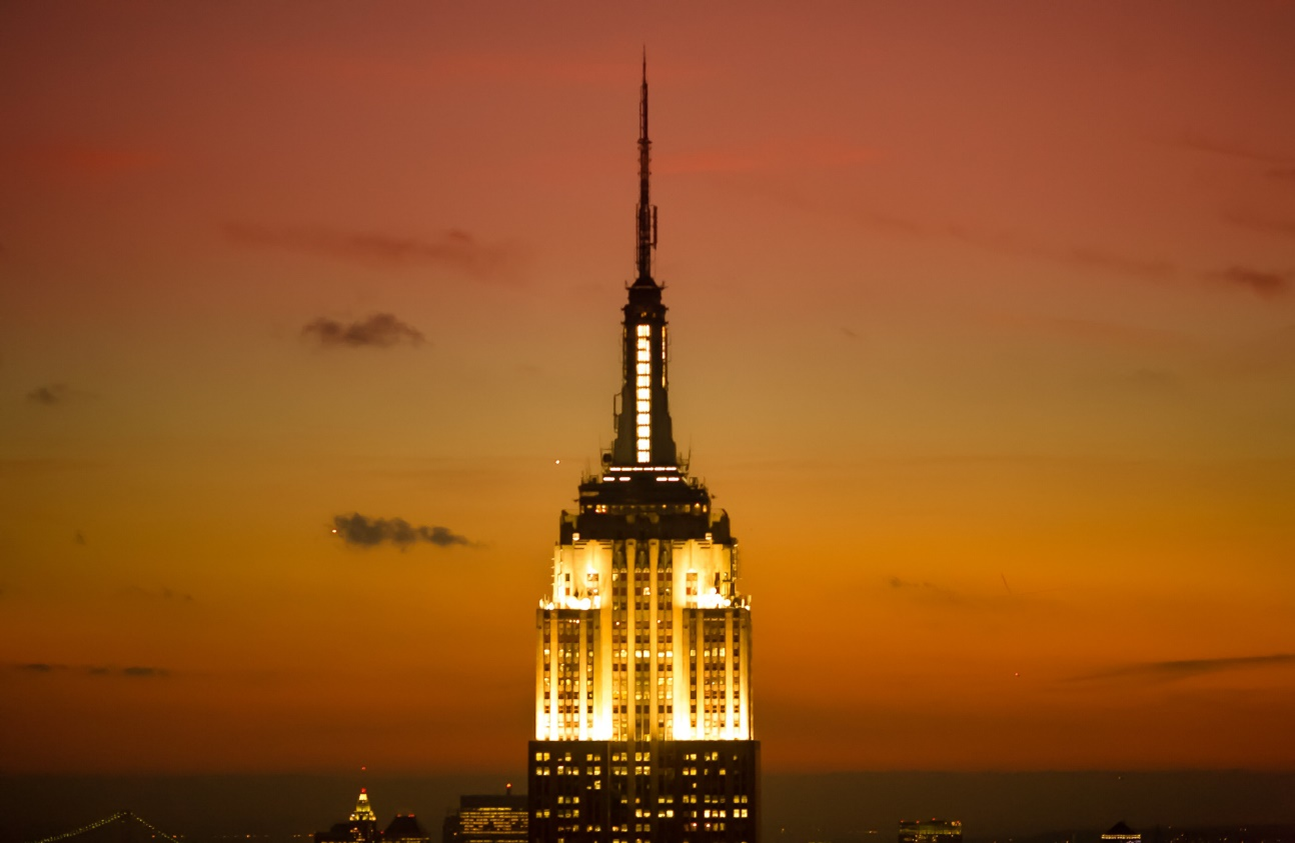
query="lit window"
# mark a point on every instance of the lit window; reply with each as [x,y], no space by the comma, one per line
[644,418]
[642,381]
[644,406]
[645,368]
[645,330]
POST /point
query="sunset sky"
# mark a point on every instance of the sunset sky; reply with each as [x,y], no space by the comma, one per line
[983,332]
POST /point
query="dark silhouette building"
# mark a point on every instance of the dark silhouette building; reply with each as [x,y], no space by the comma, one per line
[930,831]
[643,711]
[1121,833]
[405,828]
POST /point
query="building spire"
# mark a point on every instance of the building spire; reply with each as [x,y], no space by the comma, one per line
[646,211]
[644,432]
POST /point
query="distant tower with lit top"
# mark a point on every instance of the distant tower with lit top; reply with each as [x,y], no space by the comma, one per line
[643,714]
[360,827]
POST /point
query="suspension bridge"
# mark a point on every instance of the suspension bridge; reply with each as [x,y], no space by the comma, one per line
[121,827]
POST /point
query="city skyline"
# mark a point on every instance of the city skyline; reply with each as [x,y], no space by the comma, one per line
[983,324]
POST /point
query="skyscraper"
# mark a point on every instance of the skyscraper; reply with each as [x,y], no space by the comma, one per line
[643,715]
[361,827]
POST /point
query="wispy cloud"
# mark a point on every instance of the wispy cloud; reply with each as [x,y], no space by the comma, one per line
[360,531]
[130,672]
[381,330]
[1264,225]
[927,591]
[1018,245]
[1159,381]
[1231,149]
[1261,282]
[776,154]
[88,160]
[1112,333]
[454,249]
[163,594]
[1183,668]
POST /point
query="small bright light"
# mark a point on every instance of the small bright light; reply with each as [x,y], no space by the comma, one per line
[557,462]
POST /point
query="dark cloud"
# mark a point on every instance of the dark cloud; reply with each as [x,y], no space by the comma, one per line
[453,249]
[39,667]
[1258,281]
[1182,668]
[55,393]
[381,330]
[358,531]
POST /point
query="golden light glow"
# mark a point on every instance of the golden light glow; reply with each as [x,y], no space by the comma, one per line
[666,657]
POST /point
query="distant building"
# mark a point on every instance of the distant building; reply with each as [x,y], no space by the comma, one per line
[491,818]
[405,828]
[361,827]
[1121,833]
[930,831]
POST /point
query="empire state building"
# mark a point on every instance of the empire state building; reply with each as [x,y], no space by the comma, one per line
[643,714]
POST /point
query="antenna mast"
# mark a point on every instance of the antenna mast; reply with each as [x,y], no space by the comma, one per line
[646,211]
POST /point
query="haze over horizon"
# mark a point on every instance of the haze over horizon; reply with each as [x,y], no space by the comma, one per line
[983,332]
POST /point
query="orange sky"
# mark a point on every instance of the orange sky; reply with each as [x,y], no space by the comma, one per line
[983,322]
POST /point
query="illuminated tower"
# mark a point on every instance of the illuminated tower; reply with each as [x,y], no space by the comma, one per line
[364,823]
[643,716]
[360,827]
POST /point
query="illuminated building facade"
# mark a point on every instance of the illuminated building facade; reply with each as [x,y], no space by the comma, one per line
[491,818]
[1121,833]
[930,831]
[643,715]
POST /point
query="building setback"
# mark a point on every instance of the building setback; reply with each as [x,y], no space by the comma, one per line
[643,714]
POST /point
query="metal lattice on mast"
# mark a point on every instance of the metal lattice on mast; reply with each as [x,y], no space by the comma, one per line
[646,212]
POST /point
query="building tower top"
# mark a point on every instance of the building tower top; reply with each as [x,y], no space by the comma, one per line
[644,432]
[363,811]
